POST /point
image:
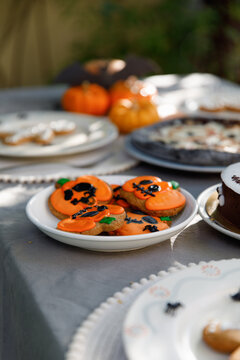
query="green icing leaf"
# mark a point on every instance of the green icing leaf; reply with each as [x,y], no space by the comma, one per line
[62,181]
[165,218]
[175,184]
[107,220]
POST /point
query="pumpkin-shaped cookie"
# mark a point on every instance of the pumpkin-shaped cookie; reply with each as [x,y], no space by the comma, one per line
[78,194]
[94,219]
[137,223]
[152,195]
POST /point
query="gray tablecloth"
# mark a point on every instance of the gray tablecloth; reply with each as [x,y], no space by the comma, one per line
[48,288]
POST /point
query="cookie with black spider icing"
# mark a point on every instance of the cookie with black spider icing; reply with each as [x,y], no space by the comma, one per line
[70,196]
[137,222]
[153,196]
[94,220]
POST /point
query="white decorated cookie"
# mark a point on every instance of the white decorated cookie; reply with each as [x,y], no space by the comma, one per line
[42,133]
[61,127]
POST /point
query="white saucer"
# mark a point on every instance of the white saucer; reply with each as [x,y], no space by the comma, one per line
[202,200]
[133,151]
[39,214]
[204,293]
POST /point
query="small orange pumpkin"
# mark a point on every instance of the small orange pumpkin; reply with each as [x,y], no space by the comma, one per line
[87,98]
[129,115]
[132,88]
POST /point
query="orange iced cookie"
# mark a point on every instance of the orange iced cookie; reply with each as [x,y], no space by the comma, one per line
[72,196]
[94,219]
[153,196]
[136,223]
[117,198]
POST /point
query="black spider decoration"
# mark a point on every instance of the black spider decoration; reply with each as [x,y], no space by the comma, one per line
[171,308]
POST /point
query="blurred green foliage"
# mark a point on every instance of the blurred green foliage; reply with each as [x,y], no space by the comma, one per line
[180,35]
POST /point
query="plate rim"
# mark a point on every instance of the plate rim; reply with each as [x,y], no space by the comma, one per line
[109,239]
[75,150]
[201,201]
[133,151]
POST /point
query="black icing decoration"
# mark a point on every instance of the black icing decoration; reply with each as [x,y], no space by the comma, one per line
[171,308]
[90,214]
[154,188]
[151,228]
[75,201]
[130,220]
[236,297]
[236,179]
[101,207]
[68,194]
[143,191]
[149,219]
[83,213]
[145,182]
[84,200]
[138,212]
[117,188]
[83,186]
[89,191]
[80,212]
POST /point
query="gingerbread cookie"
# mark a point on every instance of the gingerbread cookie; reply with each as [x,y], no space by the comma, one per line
[137,222]
[221,338]
[153,196]
[75,195]
[94,220]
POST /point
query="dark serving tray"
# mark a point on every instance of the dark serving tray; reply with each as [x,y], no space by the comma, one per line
[141,139]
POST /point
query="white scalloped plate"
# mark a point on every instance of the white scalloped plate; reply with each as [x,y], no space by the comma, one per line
[204,291]
[39,214]
[92,132]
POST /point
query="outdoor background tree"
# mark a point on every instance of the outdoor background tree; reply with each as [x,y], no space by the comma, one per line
[180,35]
[39,38]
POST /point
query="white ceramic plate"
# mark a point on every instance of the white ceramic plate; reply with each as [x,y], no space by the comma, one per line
[92,132]
[204,291]
[39,214]
[136,153]
[202,200]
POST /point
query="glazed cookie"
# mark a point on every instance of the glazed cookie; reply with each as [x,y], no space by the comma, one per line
[136,223]
[42,133]
[224,338]
[94,220]
[221,340]
[72,196]
[153,196]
